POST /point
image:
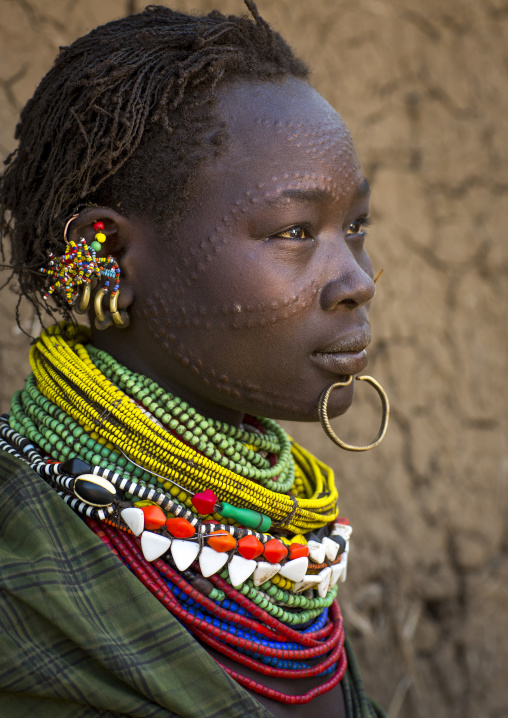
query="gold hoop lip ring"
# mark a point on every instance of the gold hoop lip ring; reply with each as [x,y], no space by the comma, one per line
[325,422]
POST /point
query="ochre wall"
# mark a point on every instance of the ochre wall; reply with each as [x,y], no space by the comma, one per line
[423,88]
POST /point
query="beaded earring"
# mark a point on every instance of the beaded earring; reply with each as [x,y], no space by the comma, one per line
[79,270]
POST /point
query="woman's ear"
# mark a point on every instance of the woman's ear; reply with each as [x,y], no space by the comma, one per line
[115,236]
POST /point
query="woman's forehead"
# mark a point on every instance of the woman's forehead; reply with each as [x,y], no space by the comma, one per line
[284,129]
[290,109]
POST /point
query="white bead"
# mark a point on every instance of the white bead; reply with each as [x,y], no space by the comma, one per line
[343,562]
[135,520]
[326,575]
[331,548]
[240,569]
[296,569]
[264,572]
[337,572]
[211,561]
[308,581]
[342,530]
[154,545]
[184,553]
[317,551]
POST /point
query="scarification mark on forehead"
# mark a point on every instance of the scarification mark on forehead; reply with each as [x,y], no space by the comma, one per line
[318,139]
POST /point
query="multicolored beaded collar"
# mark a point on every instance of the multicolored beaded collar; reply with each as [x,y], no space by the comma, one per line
[235,530]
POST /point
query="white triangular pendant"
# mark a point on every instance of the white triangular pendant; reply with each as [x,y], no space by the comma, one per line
[211,561]
[343,562]
[331,548]
[184,553]
[240,569]
[154,545]
[308,581]
[135,520]
[264,571]
[296,569]
[317,551]
[342,530]
[323,587]
[337,572]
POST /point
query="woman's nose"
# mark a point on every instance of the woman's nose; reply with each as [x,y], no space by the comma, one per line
[352,286]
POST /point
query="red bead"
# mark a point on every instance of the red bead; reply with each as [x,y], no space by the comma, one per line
[250,547]
[341,520]
[275,551]
[296,550]
[204,502]
[180,528]
[154,517]
[221,541]
[98,226]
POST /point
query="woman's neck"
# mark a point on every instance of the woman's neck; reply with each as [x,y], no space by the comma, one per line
[135,361]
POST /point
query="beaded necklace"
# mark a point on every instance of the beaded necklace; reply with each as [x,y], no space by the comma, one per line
[139,463]
[65,374]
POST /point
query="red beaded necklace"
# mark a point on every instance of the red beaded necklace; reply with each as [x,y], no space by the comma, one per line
[151,575]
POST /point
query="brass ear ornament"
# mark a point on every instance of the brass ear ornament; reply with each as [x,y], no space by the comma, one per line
[83,298]
[103,319]
[325,422]
[120,318]
[79,269]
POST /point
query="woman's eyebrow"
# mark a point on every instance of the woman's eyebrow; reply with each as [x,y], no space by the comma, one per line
[315,194]
[300,195]
[363,188]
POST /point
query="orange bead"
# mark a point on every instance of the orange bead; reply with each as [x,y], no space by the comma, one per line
[221,541]
[275,551]
[180,528]
[250,547]
[155,517]
[297,550]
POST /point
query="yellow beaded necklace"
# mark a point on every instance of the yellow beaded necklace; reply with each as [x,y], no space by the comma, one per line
[66,375]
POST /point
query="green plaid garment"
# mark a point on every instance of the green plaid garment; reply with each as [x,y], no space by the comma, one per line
[81,637]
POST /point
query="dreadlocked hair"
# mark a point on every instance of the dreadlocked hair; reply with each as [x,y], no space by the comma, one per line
[123,119]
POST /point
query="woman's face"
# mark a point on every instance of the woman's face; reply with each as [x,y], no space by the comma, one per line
[260,299]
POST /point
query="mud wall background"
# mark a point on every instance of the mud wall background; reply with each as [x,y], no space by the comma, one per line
[424,90]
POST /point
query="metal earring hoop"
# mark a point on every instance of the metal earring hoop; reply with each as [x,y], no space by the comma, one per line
[120,318]
[83,299]
[325,422]
[103,320]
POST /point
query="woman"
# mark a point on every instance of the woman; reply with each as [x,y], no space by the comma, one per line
[178,179]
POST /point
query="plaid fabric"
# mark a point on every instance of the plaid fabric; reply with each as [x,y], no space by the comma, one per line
[81,636]
[358,704]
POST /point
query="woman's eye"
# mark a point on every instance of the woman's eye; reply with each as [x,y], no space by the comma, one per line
[357,227]
[295,233]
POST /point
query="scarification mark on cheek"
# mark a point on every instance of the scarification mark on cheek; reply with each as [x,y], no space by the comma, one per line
[327,141]
[269,398]
[235,315]
[174,315]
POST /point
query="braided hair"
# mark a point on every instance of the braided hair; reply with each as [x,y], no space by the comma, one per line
[123,119]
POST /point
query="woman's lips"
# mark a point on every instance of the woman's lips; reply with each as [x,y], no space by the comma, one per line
[345,356]
[343,363]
